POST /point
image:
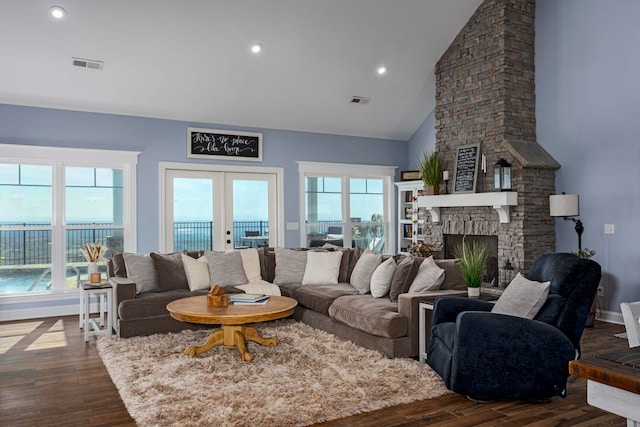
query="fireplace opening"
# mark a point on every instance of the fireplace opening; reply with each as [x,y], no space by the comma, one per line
[453,241]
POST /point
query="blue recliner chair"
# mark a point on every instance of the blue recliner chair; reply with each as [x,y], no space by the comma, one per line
[490,356]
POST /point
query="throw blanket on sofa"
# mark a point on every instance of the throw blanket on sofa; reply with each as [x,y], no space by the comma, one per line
[251,264]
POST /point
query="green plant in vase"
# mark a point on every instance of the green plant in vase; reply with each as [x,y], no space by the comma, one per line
[471,264]
[430,168]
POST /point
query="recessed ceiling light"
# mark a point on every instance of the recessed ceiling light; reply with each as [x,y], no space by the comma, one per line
[256,48]
[382,70]
[57,12]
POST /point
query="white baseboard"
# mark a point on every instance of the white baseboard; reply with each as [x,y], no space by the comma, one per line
[610,317]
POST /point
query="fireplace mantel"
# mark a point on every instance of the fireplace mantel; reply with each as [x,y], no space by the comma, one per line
[500,201]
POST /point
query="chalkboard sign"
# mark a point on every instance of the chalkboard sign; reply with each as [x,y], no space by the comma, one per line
[208,143]
[466,171]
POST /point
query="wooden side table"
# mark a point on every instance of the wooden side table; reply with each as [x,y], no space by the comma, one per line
[101,325]
[613,382]
[424,318]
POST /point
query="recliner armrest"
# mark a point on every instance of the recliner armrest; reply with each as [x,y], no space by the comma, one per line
[446,309]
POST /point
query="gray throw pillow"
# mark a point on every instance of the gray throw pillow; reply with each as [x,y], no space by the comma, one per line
[226,269]
[522,298]
[170,271]
[429,277]
[290,266]
[363,270]
[142,272]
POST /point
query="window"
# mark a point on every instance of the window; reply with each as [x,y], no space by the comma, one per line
[52,200]
[347,205]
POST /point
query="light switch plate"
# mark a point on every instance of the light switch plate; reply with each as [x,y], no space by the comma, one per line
[609,229]
[293,226]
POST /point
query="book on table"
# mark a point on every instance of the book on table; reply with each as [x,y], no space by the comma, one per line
[249,298]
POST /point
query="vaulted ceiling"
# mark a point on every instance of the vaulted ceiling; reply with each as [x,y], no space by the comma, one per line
[190,60]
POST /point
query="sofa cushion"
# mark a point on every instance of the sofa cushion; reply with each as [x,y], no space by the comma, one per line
[376,316]
[225,268]
[429,277]
[142,272]
[382,277]
[522,298]
[290,265]
[319,297]
[405,272]
[288,289]
[362,272]
[170,271]
[322,268]
[152,304]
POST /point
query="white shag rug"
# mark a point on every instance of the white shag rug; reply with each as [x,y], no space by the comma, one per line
[310,377]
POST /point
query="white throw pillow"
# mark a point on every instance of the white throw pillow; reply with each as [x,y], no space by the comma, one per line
[251,264]
[197,272]
[382,277]
[522,298]
[363,270]
[322,268]
[429,278]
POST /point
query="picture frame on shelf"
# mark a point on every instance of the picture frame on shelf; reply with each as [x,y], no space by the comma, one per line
[410,175]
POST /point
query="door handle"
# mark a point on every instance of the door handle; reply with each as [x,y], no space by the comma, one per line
[228,241]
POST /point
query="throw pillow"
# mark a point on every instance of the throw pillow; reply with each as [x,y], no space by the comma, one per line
[196,272]
[251,264]
[119,267]
[522,298]
[225,268]
[363,270]
[381,278]
[429,277]
[142,272]
[169,271]
[322,268]
[406,271]
[290,265]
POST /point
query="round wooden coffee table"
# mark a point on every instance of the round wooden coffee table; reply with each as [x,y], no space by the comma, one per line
[233,319]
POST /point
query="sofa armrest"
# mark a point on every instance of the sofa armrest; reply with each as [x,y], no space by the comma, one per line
[447,309]
[123,289]
[409,306]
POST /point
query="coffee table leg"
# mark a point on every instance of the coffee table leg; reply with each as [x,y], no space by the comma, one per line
[216,338]
[251,334]
[238,338]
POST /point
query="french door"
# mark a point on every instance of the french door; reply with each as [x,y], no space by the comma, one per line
[219,210]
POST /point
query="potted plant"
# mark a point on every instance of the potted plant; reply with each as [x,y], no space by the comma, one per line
[430,169]
[471,263]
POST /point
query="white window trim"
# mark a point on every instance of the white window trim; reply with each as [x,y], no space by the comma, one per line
[83,157]
[279,172]
[344,170]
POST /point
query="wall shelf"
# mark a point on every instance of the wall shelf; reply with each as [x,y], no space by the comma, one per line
[500,201]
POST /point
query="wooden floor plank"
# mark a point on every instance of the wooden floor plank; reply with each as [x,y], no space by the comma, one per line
[50,376]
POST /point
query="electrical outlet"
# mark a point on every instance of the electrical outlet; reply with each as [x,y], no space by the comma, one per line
[600,291]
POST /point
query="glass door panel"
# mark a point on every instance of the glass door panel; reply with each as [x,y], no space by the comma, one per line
[250,209]
[367,208]
[193,216]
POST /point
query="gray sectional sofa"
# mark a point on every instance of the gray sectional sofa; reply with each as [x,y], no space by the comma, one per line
[388,324]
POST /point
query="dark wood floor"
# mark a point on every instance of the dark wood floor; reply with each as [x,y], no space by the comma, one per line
[49,376]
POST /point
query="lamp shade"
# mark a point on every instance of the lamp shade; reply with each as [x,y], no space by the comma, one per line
[564,205]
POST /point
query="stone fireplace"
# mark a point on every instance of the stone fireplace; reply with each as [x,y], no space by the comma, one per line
[485,94]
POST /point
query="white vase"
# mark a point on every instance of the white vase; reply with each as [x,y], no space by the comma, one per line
[473,292]
[93,275]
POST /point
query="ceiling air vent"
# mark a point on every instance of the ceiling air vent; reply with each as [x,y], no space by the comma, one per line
[87,63]
[360,100]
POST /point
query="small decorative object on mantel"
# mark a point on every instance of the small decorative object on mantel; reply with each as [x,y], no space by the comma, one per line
[409,175]
[471,264]
[216,297]
[502,175]
[430,168]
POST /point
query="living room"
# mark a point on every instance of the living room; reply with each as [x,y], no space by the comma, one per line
[583,74]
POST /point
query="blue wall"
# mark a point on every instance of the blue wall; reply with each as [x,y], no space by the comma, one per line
[422,141]
[588,118]
[165,140]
